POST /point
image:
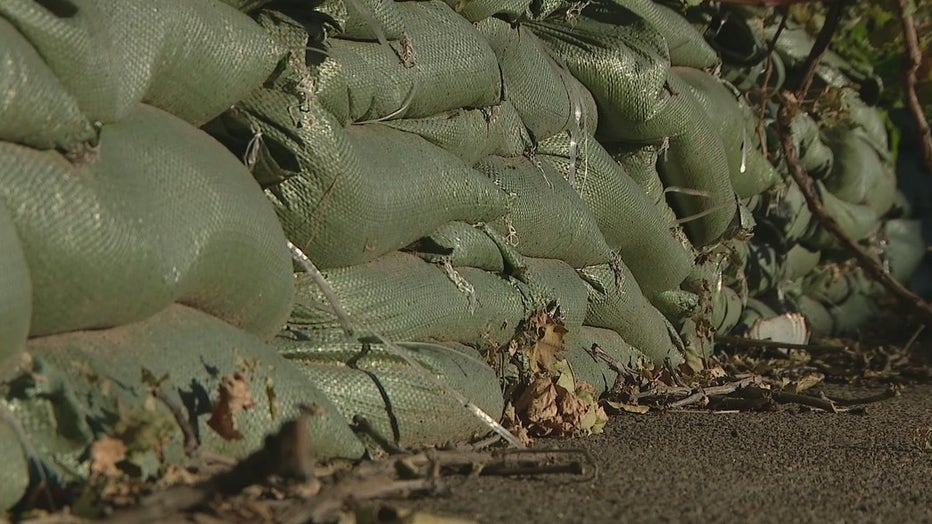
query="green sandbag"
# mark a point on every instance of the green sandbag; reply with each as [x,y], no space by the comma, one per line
[905,248]
[548,98]
[555,280]
[686,45]
[624,63]
[182,57]
[726,310]
[347,196]
[816,157]
[578,351]
[463,244]
[799,261]
[15,290]
[79,387]
[472,134]
[35,108]
[402,297]
[14,475]
[620,58]
[857,221]
[157,213]
[399,402]
[446,66]
[365,20]
[629,221]
[476,10]
[782,215]
[750,171]
[695,161]
[765,269]
[616,303]
[856,168]
[640,163]
[548,217]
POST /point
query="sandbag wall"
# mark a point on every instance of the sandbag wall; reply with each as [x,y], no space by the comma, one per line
[452,168]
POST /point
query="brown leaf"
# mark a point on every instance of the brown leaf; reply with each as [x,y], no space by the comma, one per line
[548,342]
[105,454]
[234,398]
[808,381]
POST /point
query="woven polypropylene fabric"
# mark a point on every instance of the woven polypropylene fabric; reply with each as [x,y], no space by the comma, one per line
[402,297]
[157,213]
[472,134]
[398,401]
[35,108]
[547,97]
[14,475]
[15,290]
[630,222]
[592,352]
[546,217]
[192,59]
[616,303]
[733,122]
[77,387]
[359,193]
[685,44]
[443,65]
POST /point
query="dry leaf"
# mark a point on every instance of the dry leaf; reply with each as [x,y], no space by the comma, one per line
[105,454]
[234,398]
[547,334]
[808,381]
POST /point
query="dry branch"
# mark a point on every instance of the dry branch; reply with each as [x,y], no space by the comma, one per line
[912,59]
[789,106]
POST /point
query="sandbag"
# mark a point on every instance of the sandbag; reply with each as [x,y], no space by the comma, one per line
[401,297]
[347,196]
[734,122]
[443,65]
[472,134]
[624,62]
[629,221]
[181,57]
[157,213]
[400,404]
[547,97]
[581,347]
[77,388]
[616,303]
[463,244]
[35,109]
[546,217]
[15,290]
[685,44]
[476,10]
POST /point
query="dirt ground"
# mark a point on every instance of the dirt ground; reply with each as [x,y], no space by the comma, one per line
[787,466]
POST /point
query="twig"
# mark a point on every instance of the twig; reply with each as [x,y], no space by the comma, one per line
[190,437]
[765,87]
[743,342]
[911,62]
[820,46]
[870,266]
[826,404]
[324,286]
[888,393]
[789,105]
[696,398]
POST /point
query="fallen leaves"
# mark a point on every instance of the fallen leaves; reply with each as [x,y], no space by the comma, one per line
[234,398]
[552,404]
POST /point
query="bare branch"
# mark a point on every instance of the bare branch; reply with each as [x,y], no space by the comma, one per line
[911,62]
